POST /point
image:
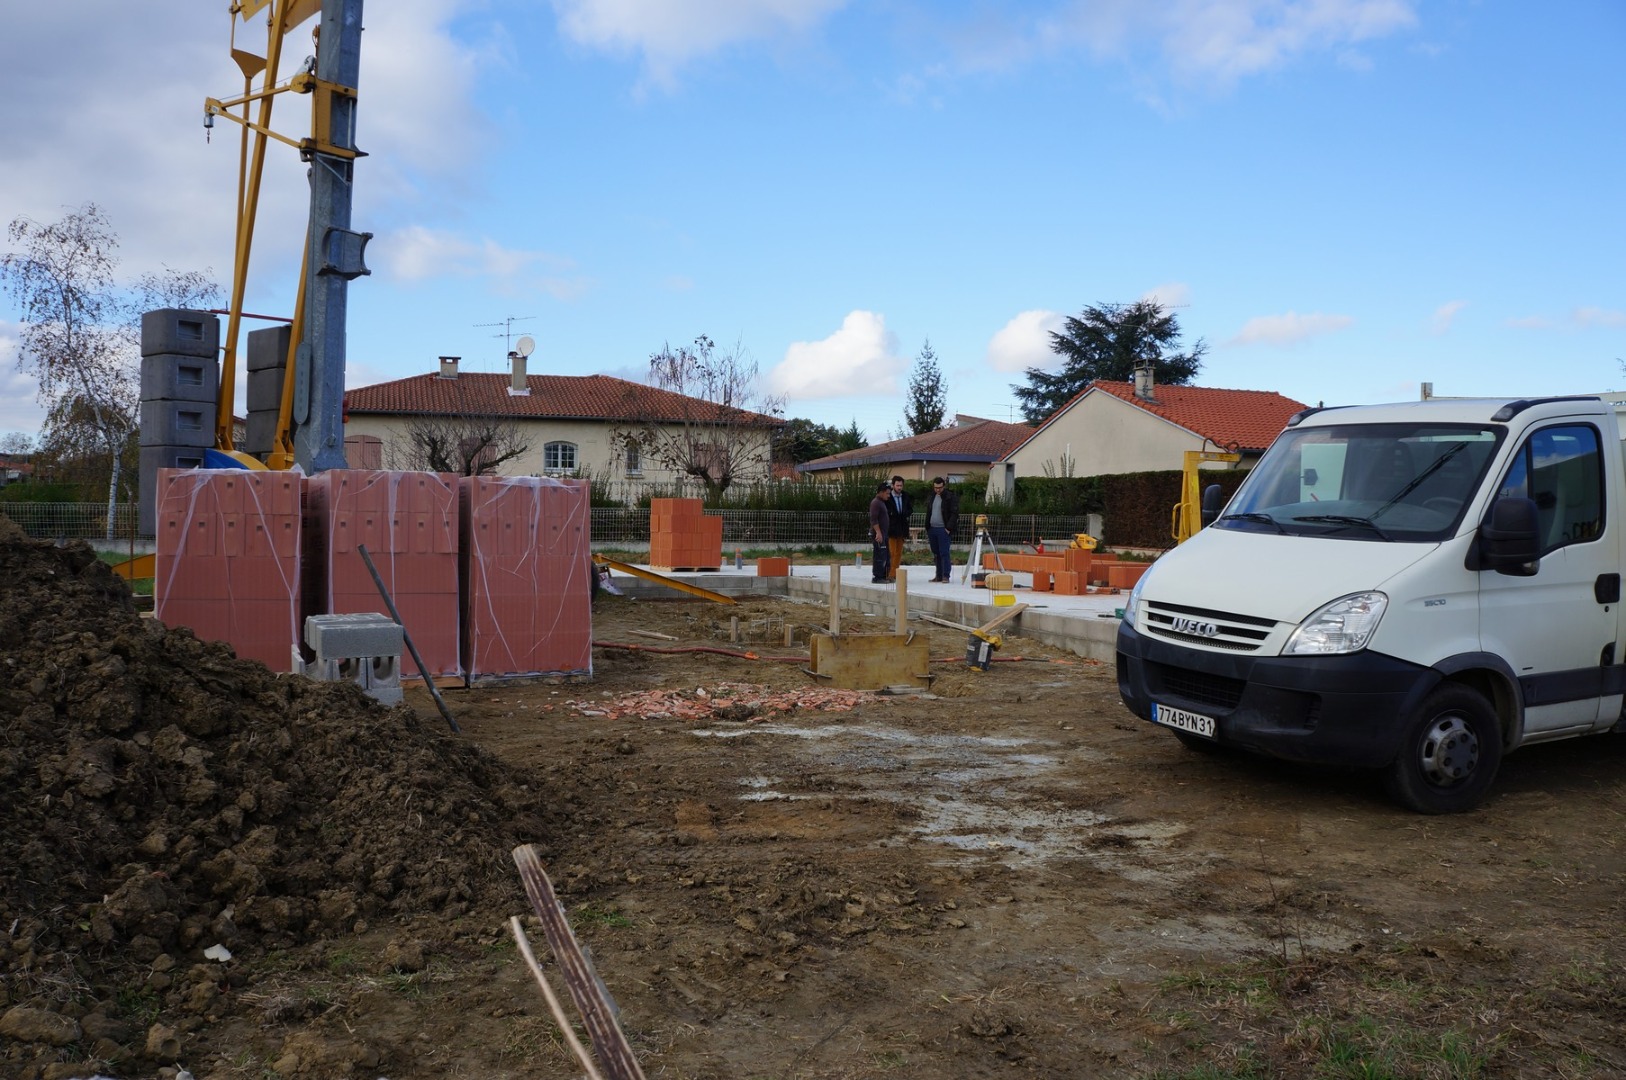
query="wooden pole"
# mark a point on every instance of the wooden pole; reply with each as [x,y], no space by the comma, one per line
[835,599]
[903,603]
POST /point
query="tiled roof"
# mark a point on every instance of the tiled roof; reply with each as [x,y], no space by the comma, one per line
[551,397]
[1246,419]
[982,441]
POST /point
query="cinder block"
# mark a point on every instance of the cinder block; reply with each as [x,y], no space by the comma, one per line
[268,348]
[262,429]
[362,634]
[177,423]
[265,390]
[181,332]
[168,377]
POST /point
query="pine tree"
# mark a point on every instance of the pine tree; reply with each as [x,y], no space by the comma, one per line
[927,405]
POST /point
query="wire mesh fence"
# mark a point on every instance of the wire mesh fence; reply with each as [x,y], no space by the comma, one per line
[612,526]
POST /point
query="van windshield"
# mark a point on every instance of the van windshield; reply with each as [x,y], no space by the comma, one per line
[1375,482]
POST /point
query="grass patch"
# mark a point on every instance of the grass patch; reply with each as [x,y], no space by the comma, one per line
[592,915]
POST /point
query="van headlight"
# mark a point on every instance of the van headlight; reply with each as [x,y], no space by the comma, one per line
[1343,626]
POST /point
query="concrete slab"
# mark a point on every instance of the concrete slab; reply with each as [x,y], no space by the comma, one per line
[1084,625]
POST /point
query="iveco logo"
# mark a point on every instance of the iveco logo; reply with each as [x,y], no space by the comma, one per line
[1193,626]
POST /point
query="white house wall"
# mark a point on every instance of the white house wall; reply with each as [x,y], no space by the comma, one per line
[1102,435]
[597,453]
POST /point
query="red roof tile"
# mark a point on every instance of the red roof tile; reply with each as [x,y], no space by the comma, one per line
[982,441]
[1246,419]
[551,397]
[1249,419]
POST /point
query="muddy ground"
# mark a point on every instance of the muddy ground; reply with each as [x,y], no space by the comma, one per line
[1008,876]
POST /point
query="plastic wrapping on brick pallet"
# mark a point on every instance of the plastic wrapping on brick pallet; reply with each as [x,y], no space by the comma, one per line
[228,559]
[526,555]
[409,523]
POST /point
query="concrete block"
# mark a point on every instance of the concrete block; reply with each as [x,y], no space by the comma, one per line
[180,332]
[262,429]
[366,634]
[265,390]
[177,423]
[168,377]
[268,348]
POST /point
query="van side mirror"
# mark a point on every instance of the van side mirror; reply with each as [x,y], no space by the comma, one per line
[1213,503]
[1509,540]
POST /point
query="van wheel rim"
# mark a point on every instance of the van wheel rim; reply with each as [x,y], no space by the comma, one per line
[1450,751]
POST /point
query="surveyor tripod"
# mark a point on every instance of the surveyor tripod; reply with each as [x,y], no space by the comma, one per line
[974,564]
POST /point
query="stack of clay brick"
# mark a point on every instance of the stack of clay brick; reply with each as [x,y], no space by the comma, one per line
[682,537]
[228,560]
[491,575]
[1072,571]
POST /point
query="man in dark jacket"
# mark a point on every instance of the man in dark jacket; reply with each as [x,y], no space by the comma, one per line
[899,505]
[879,521]
[942,518]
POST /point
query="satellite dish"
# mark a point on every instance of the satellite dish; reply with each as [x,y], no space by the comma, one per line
[525,346]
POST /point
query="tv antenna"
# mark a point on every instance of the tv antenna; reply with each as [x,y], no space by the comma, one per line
[507,334]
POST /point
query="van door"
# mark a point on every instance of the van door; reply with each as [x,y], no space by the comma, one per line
[1559,628]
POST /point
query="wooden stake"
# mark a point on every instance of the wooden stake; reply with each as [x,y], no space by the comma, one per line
[835,599]
[734,629]
[903,602]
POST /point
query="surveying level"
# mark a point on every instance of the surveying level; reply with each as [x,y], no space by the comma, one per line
[974,564]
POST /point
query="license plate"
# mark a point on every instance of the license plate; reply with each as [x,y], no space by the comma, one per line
[1195,723]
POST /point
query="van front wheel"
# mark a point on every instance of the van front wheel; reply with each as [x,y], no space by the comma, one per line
[1449,755]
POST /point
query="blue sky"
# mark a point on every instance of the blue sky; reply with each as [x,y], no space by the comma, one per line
[1343,198]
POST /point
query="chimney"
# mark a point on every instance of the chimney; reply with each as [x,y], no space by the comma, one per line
[1143,382]
[448,366]
[517,386]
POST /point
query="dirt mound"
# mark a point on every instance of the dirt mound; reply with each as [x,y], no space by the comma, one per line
[160,797]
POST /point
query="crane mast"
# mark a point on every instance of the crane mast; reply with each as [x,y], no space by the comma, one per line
[310,428]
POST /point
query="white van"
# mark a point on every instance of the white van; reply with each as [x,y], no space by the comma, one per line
[1418,588]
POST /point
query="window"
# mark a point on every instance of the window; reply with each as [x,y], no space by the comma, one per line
[559,457]
[635,458]
[1561,469]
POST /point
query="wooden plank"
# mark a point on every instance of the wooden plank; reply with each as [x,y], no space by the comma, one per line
[591,998]
[662,579]
[870,661]
[1000,620]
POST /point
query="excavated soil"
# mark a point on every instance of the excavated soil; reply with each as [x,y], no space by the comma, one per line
[207,867]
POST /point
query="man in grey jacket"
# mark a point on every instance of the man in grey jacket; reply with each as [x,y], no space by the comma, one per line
[942,518]
[880,517]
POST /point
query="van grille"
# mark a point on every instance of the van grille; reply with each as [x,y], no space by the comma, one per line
[1192,626]
[1194,686]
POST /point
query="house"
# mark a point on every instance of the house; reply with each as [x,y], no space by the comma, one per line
[626,435]
[1120,427]
[15,469]
[956,453]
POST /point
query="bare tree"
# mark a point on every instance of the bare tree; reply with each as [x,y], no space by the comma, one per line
[461,441]
[16,442]
[79,334]
[711,424]
[71,338]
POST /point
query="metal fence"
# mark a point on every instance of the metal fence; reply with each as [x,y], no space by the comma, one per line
[612,526]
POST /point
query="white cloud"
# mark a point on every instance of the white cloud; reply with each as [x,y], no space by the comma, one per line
[1596,316]
[1531,322]
[418,253]
[1445,315]
[669,33]
[1225,40]
[859,359]
[1024,342]
[1170,294]
[1289,329]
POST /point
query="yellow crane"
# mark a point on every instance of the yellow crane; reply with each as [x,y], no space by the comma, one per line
[309,429]
[1187,517]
